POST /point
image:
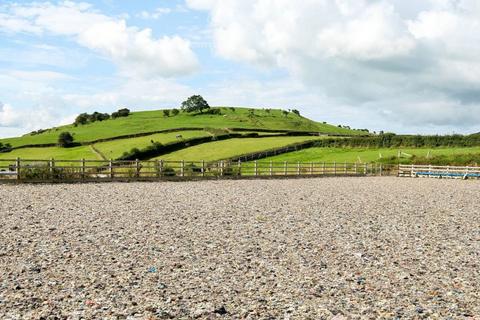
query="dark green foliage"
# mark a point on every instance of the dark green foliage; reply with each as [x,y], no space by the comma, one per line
[65,140]
[285,113]
[5,147]
[39,131]
[85,118]
[295,111]
[251,112]
[195,104]
[45,172]
[124,112]
[168,172]
[175,112]
[232,109]
[471,159]
[166,113]
[214,111]
[391,140]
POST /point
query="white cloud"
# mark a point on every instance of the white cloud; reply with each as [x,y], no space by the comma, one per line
[135,50]
[409,62]
[156,14]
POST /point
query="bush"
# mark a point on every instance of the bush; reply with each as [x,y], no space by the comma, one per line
[44,172]
[166,113]
[175,112]
[169,172]
[295,111]
[5,147]
[85,118]
[65,140]
[124,112]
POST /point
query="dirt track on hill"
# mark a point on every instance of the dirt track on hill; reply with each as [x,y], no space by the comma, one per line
[342,248]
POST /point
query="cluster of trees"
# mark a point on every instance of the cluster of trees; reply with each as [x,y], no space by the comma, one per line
[5,147]
[65,140]
[85,118]
[391,140]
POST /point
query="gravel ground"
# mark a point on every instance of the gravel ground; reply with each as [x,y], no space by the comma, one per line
[332,248]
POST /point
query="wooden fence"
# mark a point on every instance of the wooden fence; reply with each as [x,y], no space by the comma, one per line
[110,170]
[431,171]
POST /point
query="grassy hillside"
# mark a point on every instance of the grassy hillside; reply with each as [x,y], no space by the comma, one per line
[114,149]
[148,121]
[364,155]
[76,153]
[219,150]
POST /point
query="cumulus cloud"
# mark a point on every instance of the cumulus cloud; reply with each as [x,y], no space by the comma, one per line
[408,61]
[155,14]
[135,50]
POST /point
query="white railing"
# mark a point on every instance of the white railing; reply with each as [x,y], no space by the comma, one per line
[432,171]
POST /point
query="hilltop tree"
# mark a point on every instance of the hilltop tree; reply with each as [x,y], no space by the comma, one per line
[285,113]
[195,104]
[175,112]
[124,112]
[65,140]
[295,111]
[166,113]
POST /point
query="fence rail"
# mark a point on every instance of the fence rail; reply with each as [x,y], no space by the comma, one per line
[88,170]
[431,171]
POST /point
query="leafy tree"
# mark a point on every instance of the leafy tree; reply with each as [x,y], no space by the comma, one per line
[65,140]
[195,104]
[166,113]
[295,111]
[82,118]
[124,112]
[175,112]
[5,147]
[285,113]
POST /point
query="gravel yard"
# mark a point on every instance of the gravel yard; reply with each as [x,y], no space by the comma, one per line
[342,248]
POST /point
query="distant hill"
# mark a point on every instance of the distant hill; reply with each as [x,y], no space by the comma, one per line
[153,121]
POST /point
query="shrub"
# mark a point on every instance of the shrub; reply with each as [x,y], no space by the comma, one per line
[175,112]
[285,113]
[124,112]
[45,172]
[295,111]
[166,113]
[65,140]
[169,172]
[5,147]
[85,118]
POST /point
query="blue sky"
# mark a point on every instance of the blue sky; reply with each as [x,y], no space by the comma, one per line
[377,64]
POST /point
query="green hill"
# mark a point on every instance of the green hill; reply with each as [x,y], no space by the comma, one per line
[110,139]
[151,121]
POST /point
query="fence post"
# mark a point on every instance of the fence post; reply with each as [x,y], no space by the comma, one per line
[271,168]
[161,168]
[356,169]
[381,170]
[182,168]
[110,168]
[137,168]
[323,168]
[334,168]
[285,168]
[298,167]
[345,168]
[311,168]
[18,165]
[83,169]
[256,168]
[239,167]
[222,165]
[51,165]
[203,168]
[365,168]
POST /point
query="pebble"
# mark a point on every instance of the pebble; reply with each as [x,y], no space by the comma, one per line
[330,248]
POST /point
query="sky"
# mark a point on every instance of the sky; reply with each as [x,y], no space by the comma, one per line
[392,65]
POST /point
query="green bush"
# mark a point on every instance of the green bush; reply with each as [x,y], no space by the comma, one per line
[65,140]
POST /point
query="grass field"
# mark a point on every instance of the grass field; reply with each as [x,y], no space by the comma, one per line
[230,148]
[363,155]
[114,149]
[76,153]
[148,121]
